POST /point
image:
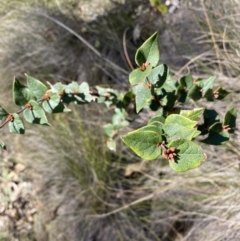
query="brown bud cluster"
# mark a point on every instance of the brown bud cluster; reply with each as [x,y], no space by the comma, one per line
[170,154]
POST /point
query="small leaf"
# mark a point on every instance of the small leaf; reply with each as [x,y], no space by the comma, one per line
[220,93]
[216,138]
[109,130]
[194,114]
[195,93]
[72,88]
[144,142]
[137,75]
[58,88]
[21,94]
[119,118]
[216,127]
[206,85]
[230,119]
[111,144]
[158,118]
[16,126]
[169,85]
[186,82]
[37,88]
[148,52]
[143,96]
[3,113]
[177,126]
[158,75]
[189,155]
[36,114]
[54,105]
[169,100]
[210,117]
[3,146]
[162,8]
[84,92]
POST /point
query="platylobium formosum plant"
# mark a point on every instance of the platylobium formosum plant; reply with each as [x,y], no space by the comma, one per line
[170,134]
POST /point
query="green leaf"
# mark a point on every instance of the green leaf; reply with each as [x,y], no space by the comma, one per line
[3,113]
[210,117]
[158,118]
[194,114]
[195,93]
[144,142]
[216,138]
[58,88]
[158,75]
[216,127]
[36,114]
[157,128]
[206,85]
[37,88]
[189,155]
[16,126]
[169,85]
[137,75]
[119,118]
[72,88]
[162,8]
[143,96]
[84,92]
[21,94]
[220,93]
[148,52]
[111,144]
[3,146]
[177,126]
[109,130]
[54,105]
[186,82]
[154,2]
[168,100]
[230,119]
[217,135]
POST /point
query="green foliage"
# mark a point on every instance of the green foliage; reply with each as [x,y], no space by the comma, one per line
[171,134]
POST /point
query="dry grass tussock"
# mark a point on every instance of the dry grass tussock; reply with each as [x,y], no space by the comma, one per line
[83,192]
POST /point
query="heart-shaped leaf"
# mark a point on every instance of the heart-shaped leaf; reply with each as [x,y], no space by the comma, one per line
[189,155]
[194,114]
[37,88]
[16,126]
[158,118]
[158,75]
[143,96]
[84,92]
[216,138]
[54,104]
[137,75]
[35,114]
[144,142]
[206,85]
[230,119]
[177,126]
[148,52]
[21,94]
[111,144]
[220,93]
